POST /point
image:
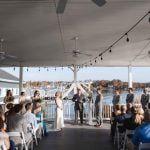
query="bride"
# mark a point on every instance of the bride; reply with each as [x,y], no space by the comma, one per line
[59,110]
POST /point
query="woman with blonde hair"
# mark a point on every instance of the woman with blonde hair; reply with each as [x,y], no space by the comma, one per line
[59,110]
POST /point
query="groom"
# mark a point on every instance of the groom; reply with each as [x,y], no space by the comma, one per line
[79,99]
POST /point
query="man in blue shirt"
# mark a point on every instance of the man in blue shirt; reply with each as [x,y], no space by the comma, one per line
[142,133]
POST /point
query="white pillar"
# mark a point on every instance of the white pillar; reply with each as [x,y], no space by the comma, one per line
[20,79]
[75,73]
[130,76]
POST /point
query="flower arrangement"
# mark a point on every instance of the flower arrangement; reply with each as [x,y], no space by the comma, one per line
[10,99]
[38,100]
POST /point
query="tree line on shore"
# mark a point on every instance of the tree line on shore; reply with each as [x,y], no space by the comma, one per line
[103,83]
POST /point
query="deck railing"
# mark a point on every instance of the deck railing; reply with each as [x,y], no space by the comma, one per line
[68,108]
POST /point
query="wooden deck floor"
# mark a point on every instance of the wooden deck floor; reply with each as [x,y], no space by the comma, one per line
[77,137]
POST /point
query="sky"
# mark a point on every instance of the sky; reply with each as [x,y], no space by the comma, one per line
[140,74]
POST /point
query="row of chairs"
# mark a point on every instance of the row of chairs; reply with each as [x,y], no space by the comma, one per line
[123,138]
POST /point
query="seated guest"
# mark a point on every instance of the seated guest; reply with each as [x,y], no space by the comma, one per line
[119,119]
[8,106]
[2,113]
[3,135]
[117,110]
[142,133]
[129,107]
[17,123]
[30,117]
[135,120]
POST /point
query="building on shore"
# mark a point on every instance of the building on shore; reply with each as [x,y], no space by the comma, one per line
[8,81]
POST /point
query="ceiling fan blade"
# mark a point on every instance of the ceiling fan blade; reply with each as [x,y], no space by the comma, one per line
[89,55]
[10,56]
[99,2]
[61,6]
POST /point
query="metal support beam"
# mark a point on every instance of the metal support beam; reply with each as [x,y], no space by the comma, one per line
[130,76]
[20,79]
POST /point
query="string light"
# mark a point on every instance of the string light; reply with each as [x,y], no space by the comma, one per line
[110,50]
[120,38]
[127,39]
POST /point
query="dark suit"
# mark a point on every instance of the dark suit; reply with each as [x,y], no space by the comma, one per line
[98,109]
[130,98]
[79,100]
[145,101]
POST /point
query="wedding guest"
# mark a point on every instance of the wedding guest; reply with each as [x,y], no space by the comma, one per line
[9,97]
[145,99]
[98,108]
[130,96]
[22,97]
[116,98]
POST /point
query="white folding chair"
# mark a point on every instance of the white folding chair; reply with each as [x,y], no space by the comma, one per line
[143,146]
[40,119]
[127,132]
[23,143]
[117,134]
[32,129]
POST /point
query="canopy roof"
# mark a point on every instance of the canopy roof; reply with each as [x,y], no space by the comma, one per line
[39,36]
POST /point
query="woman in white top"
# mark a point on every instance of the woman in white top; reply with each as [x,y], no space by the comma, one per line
[59,110]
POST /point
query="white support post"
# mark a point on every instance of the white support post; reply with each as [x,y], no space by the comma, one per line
[20,79]
[130,76]
[75,73]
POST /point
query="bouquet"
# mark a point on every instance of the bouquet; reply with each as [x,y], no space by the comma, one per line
[38,100]
[10,99]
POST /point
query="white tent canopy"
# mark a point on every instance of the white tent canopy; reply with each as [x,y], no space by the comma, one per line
[38,36]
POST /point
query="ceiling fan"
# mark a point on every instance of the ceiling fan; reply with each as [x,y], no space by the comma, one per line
[3,55]
[62,5]
[76,52]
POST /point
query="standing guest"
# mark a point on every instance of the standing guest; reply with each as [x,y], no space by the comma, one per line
[79,99]
[116,98]
[59,110]
[98,108]
[22,97]
[39,116]
[130,96]
[145,99]
[36,95]
[9,97]
[90,101]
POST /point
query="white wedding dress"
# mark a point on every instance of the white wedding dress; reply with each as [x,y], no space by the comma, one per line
[59,114]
